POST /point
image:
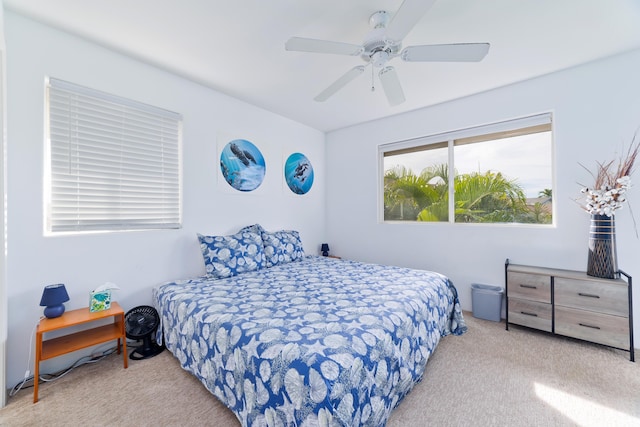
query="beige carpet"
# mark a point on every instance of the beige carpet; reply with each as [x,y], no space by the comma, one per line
[487,377]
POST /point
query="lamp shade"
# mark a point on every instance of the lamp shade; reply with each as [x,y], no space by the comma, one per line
[325,249]
[53,298]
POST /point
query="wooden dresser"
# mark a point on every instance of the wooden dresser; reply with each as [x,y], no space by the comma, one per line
[572,304]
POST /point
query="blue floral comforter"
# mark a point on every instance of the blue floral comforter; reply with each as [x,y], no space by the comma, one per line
[317,342]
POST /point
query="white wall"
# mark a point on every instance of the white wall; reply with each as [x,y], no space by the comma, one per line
[596,109]
[3,277]
[135,261]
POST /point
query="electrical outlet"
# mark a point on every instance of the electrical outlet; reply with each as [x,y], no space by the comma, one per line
[27,373]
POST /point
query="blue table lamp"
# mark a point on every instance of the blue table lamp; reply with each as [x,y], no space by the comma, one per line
[53,298]
[325,249]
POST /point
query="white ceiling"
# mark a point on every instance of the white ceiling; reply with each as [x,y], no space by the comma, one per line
[237,46]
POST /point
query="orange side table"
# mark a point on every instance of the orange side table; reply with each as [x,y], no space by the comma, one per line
[55,347]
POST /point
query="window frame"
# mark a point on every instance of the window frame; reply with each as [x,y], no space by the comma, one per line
[124,156]
[475,134]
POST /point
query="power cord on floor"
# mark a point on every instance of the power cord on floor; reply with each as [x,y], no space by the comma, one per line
[27,373]
[96,356]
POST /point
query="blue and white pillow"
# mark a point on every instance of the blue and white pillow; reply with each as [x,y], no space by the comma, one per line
[255,228]
[226,256]
[281,247]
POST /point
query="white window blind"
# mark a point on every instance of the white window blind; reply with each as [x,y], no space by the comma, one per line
[114,164]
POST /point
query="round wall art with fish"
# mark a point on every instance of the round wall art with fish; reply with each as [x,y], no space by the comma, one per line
[298,173]
[242,165]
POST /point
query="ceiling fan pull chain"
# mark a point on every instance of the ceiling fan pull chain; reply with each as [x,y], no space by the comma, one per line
[373,87]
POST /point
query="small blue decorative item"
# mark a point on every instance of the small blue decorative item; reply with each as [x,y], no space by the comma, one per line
[52,299]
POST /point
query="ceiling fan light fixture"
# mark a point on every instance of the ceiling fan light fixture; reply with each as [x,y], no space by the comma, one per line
[379,58]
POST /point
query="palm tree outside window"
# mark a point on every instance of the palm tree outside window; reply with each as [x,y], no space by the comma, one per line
[502,173]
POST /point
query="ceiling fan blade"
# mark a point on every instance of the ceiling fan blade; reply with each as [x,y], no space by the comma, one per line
[457,52]
[340,83]
[322,46]
[391,85]
[407,16]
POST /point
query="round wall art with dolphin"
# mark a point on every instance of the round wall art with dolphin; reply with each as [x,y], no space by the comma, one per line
[298,173]
[242,165]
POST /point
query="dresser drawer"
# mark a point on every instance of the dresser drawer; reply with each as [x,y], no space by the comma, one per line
[535,287]
[590,326]
[530,313]
[603,297]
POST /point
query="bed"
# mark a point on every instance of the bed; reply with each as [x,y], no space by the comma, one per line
[307,340]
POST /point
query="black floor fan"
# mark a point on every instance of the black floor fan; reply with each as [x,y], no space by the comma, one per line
[141,323]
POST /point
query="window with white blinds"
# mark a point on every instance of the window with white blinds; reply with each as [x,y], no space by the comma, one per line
[113,163]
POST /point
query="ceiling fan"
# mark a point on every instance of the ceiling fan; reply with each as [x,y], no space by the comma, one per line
[383,43]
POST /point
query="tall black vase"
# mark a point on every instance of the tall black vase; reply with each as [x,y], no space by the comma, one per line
[603,258]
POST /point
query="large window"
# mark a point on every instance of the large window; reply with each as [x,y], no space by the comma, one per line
[111,163]
[499,173]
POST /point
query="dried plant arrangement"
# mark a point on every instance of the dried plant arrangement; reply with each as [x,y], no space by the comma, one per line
[611,181]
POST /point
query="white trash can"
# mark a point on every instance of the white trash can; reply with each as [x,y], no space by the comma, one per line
[486,301]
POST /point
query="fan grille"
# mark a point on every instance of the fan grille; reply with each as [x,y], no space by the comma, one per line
[141,321]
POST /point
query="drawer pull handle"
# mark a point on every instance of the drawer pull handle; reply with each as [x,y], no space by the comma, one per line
[526,313]
[589,326]
[528,286]
[588,295]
